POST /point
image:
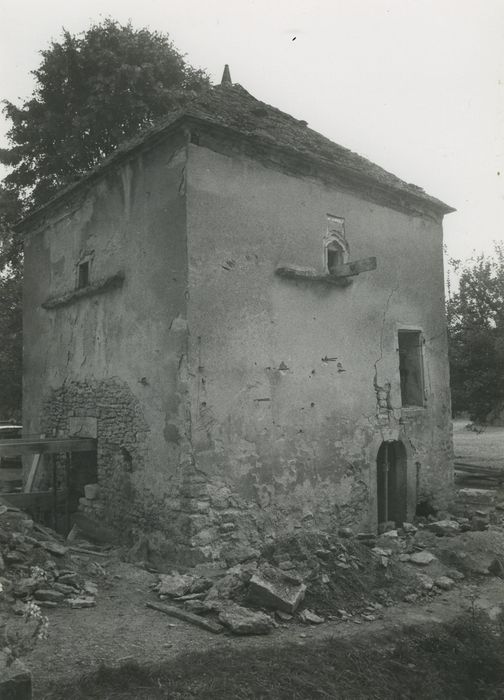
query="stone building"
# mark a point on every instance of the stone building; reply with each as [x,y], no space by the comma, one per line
[250,320]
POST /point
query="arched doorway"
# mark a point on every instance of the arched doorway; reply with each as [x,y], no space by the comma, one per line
[391,473]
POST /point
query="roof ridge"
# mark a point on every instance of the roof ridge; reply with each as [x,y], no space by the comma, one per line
[231,106]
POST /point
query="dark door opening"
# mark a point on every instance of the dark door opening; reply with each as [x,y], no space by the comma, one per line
[391,483]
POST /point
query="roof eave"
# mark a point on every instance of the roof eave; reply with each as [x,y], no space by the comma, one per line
[147,140]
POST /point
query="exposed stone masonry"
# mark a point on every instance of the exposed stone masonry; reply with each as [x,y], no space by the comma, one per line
[121,433]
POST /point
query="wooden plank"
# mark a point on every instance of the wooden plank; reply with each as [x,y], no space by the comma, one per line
[26,446]
[32,473]
[187,617]
[478,469]
[350,269]
[44,500]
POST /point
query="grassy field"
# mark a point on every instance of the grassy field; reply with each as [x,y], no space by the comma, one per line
[485,448]
[463,660]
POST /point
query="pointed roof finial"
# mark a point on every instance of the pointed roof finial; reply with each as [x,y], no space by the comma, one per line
[226,76]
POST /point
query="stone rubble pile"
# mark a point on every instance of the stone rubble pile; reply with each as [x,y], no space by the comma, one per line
[35,566]
[313,577]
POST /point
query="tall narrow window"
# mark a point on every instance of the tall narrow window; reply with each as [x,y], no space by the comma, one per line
[335,243]
[411,368]
[83,275]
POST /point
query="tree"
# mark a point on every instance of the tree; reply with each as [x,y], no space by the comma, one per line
[92,91]
[10,308]
[476,335]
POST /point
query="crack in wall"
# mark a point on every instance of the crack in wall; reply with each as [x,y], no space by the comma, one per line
[383,398]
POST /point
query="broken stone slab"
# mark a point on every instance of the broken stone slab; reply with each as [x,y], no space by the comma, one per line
[54,548]
[409,528]
[455,575]
[274,592]
[15,680]
[180,614]
[283,616]
[81,602]
[238,554]
[68,579]
[175,585]
[310,618]
[198,607]
[423,558]
[90,588]
[445,583]
[49,595]
[393,534]
[25,586]
[445,528]
[14,557]
[242,621]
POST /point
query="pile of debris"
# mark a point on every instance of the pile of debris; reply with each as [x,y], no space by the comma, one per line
[36,566]
[313,577]
[308,578]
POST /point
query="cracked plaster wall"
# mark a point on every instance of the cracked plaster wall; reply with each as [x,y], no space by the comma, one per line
[295,385]
[240,404]
[116,356]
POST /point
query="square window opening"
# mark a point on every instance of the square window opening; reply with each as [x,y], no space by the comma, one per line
[83,275]
[411,368]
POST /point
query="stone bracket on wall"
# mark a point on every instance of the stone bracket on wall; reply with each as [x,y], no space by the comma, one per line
[339,277]
[97,287]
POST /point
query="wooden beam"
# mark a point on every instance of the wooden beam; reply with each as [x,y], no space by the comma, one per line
[350,269]
[338,276]
[32,473]
[43,500]
[27,446]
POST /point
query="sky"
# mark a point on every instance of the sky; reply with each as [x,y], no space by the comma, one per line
[416,86]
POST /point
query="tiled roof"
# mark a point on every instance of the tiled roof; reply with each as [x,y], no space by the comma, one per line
[231,107]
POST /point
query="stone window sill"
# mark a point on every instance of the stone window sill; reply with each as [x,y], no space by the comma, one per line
[97,287]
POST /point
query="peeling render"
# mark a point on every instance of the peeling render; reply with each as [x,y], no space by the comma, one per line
[232,403]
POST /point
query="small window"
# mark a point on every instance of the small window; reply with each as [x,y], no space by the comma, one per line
[335,257]
[83,275]
[335,243]
[411,368]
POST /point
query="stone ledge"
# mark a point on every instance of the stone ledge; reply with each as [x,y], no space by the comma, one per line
[102,285]
[309,275]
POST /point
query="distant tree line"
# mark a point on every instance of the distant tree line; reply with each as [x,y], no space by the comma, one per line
[475,314]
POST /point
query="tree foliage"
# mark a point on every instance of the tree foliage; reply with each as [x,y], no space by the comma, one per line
[476,335]
[92,91]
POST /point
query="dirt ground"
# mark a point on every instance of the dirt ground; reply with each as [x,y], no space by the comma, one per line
[485,448]
[121,628]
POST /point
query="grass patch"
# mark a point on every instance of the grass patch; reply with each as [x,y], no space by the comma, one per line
[463,660]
